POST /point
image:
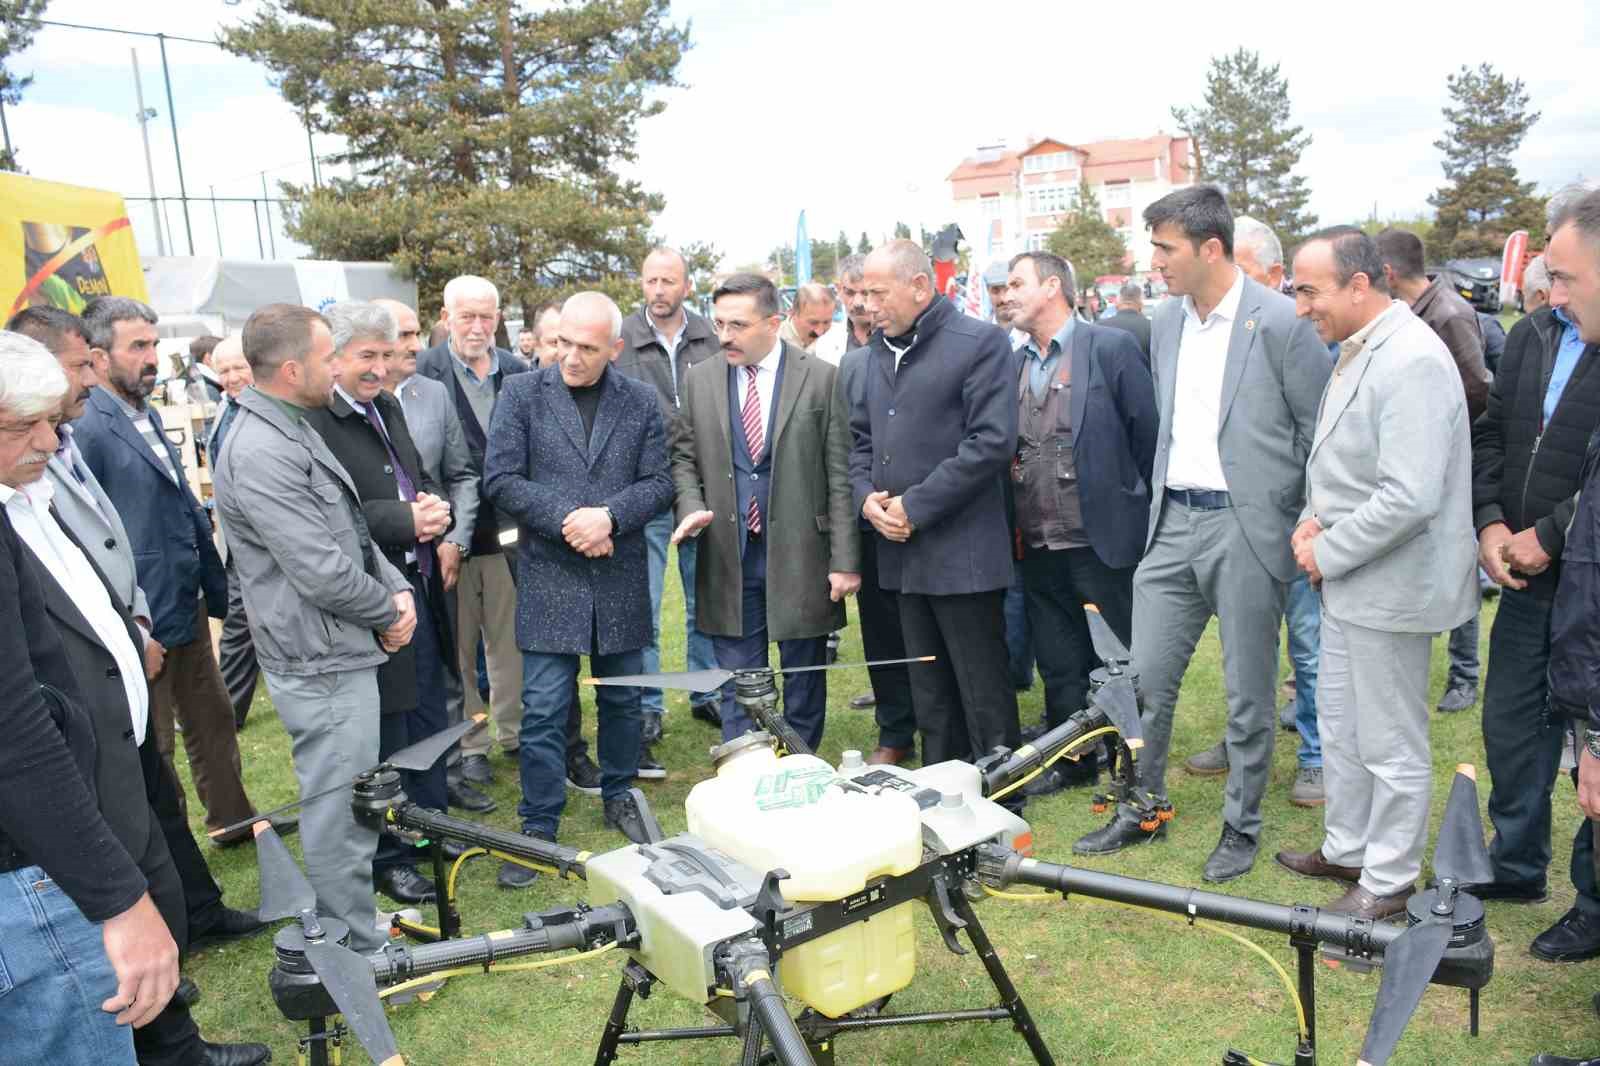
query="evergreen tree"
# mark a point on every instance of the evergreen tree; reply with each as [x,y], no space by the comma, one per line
[902,231]
[486,137]
[17,28]
[841,246]
[864,246]
[1483,202]
[1086,240]
[1244,144]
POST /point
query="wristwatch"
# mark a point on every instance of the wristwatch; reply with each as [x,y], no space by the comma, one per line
[1591,740]
[613,518]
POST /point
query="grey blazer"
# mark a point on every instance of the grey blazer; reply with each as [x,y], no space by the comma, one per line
[442,443]
[87,511]
[1390,479]
[1271,384]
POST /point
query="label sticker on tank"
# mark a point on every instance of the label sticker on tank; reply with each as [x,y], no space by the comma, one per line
[796,926]
[792,788]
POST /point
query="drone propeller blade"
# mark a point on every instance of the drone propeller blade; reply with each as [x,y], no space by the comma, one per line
[692,680]
[1117,700]
[856,666]
[425,752]
[348,979]
[1408,966]
[265,815]
[285,892]
[1460,853]
[1106,643]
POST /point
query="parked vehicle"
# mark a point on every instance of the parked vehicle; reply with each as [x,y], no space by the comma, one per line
[1477,280]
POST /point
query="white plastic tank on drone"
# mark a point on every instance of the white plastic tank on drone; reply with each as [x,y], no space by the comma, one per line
[790,813]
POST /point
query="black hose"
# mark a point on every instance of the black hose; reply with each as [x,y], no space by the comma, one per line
[443,826]
[766,1002]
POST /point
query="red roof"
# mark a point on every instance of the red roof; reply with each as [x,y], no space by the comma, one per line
[1097,153]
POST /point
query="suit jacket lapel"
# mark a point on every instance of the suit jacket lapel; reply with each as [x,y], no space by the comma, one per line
[1166,367]
[605,416]
[122,426]
[1240,341]
[1080,379]
[792,373]
[1326,421]
[566,412]
[719,404]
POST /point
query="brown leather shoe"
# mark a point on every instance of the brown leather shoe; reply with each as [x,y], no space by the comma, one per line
[1312,864]
[1359,903]
[890,756]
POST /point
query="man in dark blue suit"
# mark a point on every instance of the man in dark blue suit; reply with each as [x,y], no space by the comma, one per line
[578,457]
[126,446]
[934,427]
[1086,435]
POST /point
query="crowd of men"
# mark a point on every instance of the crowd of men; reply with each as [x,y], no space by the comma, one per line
[405,536]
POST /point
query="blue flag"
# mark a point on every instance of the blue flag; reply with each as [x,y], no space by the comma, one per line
[802,253]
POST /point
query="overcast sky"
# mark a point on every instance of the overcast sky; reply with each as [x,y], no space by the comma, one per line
[857,110]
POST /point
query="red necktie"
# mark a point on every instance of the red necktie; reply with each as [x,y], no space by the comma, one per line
[753,439]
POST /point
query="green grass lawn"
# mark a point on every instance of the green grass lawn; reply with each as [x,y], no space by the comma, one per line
[1105,985]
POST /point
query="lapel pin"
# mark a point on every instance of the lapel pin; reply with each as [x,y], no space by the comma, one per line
[1249,323]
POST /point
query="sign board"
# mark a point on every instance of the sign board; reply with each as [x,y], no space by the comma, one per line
[63,245]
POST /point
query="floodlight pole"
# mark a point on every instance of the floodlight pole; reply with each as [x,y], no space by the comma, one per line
[144,116]
[183,192]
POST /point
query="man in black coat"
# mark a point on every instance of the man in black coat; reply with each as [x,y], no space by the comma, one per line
[1086,436]
[578,456]
[475,373]
[1130,317]
[934,428]
[365,428]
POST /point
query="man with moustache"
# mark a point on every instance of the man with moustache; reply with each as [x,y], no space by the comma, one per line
[546,330]
[661,341]
[934,427]
[1238,378]
[810,317]
[326,607]
[578,457]
[857,324]
[442,448]
[757,482]
[124,442]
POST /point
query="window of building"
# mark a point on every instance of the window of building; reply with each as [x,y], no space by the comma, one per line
[1038,164]
[1037,241]
[990,206]
[1049,199]
[1117,194]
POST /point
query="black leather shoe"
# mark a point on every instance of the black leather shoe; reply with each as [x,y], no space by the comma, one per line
[864,702]
[1122,831]
[513,875]
[649,769]
[453,849]
[1561,1060]
[187,992]
[1575,937]
[235,1054]
[1504,891]
[475,768]
[709,713]
[622,814]
[464,797]
[1064,774]
[583,775]
[404,884]
[1233,856]
[229,924]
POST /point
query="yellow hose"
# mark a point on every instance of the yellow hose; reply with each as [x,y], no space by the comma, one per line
[498,967]
[1103,730]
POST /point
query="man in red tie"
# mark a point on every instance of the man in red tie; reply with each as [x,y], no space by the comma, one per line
[760,465]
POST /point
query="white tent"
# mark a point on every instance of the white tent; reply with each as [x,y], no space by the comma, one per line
[200,294]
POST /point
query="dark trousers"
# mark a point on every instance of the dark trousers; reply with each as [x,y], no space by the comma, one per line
[964,700]
[171,1038]
[236,652]
[202,898]
[1019,633]
[1522,741]
[397,730]
[879,609]
[547,693]
[1058,584]
[805,696]
[1582,870]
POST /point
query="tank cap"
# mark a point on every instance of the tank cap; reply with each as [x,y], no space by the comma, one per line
[850,759]
[739,745]
[951,800]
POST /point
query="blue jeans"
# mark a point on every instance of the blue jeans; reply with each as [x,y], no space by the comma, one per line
[547,694]
[1302,617]
[699,653]
[54,975]
[1019,639]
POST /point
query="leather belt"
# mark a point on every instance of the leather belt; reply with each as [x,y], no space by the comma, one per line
[1201,499]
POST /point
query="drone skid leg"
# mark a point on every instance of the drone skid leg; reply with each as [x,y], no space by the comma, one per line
[1010,998]
[635,980]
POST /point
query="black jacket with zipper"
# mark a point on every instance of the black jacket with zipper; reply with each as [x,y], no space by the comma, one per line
[1526,472]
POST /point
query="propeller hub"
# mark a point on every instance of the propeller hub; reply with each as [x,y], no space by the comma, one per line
[374,792]
[289,944]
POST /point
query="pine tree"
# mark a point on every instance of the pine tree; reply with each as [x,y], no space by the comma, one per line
[17,28]
[1483,202]
[1244,144]
[485,136]
[1086,240]
[841,246]
[864,245]
[902,231]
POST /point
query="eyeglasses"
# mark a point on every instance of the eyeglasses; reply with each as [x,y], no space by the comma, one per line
[735,327]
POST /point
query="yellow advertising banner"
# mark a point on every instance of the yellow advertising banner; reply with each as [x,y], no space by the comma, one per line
[62,245]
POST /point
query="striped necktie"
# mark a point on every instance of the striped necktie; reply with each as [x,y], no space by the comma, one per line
[754,440]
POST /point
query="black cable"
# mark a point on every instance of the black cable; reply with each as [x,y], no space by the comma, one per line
[767,1004]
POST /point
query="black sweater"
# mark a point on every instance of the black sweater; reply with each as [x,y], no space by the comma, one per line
[1524,472]
[49,814]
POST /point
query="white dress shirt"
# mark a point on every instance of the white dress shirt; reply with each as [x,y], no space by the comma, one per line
[1194,461]
[29,508]
[766,381]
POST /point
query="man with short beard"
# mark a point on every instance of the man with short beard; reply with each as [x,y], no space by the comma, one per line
[124,442]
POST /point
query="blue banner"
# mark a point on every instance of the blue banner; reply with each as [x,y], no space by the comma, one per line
[802,253]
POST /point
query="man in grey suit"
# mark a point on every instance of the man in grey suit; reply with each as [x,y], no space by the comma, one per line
[1387,535]
[1237,377]
[236,652]
[761,465]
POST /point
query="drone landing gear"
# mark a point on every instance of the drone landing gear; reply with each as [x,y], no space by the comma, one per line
[818,1030]
[320,1046]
